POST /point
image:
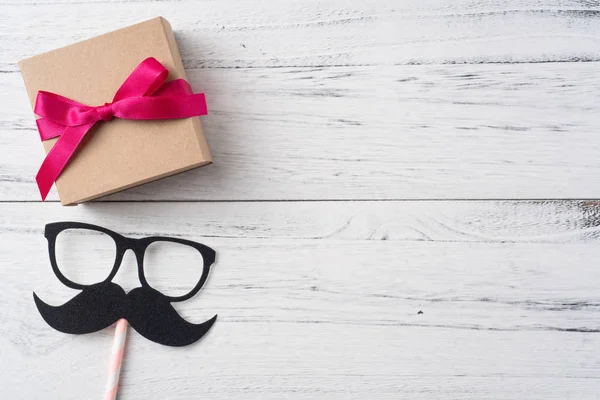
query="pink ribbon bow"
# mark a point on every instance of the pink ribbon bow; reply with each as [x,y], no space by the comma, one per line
[143,96]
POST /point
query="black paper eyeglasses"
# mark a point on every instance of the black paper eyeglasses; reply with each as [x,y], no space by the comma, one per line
[101,304]
[138,246]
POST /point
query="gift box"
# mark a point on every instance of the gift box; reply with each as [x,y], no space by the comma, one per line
[116,153]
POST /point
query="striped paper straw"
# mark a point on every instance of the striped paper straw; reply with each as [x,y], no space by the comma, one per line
[116,358]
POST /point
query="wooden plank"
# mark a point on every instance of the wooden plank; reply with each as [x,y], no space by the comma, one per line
[431,221]
[228,34]
[267,360]
[321,317]
[390,132]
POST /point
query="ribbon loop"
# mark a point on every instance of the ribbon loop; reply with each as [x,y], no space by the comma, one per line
[62,110]
[145,79]
[145,95]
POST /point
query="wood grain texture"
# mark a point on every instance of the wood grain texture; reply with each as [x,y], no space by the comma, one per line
[255,33]
[430,221]
[403,132]
[358,102]
[303,316]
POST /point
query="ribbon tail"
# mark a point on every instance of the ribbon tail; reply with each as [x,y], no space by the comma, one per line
[49,129]
[59,156]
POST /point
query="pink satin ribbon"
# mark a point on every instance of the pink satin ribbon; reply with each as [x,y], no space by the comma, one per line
[144,95]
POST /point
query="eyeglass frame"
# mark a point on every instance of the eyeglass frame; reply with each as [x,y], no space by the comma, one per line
[123,243]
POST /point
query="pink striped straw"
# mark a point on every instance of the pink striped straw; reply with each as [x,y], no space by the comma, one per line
[116,358]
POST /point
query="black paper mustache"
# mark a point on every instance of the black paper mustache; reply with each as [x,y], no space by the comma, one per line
[101,305]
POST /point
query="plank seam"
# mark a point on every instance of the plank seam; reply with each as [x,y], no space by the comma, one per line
[558,199]
[482,62]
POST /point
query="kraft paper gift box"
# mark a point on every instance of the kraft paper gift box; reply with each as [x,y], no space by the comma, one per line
[121,153]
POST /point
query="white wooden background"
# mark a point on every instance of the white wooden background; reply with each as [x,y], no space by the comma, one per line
[373,159]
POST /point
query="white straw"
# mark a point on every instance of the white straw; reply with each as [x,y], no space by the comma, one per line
[116,358]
